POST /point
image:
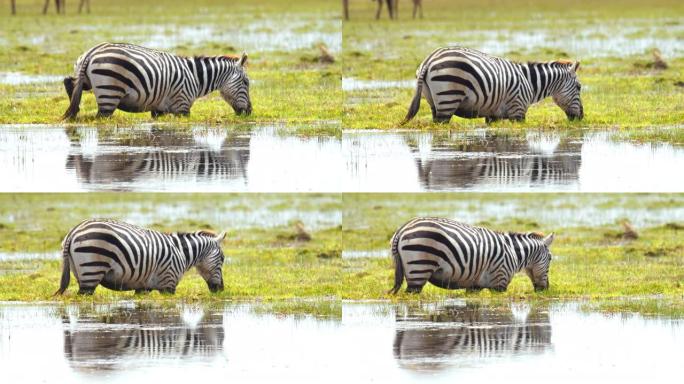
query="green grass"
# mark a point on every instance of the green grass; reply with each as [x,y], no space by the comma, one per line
[288,84]
[594,264]
[621,91]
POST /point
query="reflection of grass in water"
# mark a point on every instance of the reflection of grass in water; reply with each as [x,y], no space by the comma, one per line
[300,308]
[284,87]
[668,307]
[616,93]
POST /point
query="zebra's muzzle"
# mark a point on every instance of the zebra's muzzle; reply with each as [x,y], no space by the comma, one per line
[215,287]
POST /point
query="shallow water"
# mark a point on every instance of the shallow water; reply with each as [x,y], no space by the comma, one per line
[450,341]
[456,341]
[352,84]
[18,78]
[159,158]
[129,342]
[288,33]
[484,160]
[598,40]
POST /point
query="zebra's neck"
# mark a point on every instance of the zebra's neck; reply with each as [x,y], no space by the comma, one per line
[191,247]
[544,79]
[210,72]
[520,247]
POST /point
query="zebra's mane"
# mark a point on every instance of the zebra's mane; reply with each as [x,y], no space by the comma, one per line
[532,235]
[201,232]
[231,58]
[554,63]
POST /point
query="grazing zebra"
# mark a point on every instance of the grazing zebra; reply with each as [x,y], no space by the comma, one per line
[138,79]
[122,257]
[434,339]
[468,83]
[454,255]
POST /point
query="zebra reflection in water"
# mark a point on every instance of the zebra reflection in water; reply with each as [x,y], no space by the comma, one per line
[159,156]
[435,338]
[116,339]
[490,159]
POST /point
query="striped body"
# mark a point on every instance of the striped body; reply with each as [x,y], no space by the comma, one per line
[470,84]
[121,256]
[454,255]
[139,79]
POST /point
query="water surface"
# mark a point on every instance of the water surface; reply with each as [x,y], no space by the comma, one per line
[491,160]
[448,341]
[163,158]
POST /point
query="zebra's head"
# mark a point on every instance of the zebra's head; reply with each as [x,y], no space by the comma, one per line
[210,267]
[567,95]
[538,261]
[235,89]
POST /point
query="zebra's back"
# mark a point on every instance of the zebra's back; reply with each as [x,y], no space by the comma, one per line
[117,255]
[469,83]
[134,78]
[447,253]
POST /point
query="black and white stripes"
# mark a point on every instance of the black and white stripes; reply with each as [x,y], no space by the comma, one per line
[468,83]
[454,255]
[122,256]
[138,79]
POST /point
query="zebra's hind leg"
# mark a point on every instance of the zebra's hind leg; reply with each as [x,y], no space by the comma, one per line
[107,104]
[441,118]
[86,291]
[414,288]
[142,291]
[489,120]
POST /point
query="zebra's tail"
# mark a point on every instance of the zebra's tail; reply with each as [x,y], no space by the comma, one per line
[415,103]
[398,267]
[75,101]
[66,273]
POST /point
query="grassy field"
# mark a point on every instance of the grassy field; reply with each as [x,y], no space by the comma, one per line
[612,39]
[288,81]
[590,261]
[263,261]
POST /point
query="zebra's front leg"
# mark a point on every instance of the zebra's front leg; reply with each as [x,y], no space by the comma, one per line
[168,291]
[491,119]
[142,291]
[155,114]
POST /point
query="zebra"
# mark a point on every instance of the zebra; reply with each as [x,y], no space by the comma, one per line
[138,79]
[122,257]
[430,340]
[471,84]
[454,255]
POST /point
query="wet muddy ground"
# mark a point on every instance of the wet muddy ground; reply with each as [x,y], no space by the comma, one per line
[451,340]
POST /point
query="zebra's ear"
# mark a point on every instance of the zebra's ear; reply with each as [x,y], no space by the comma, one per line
[548,240]
[575,66]
[243,59]
[219,238]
